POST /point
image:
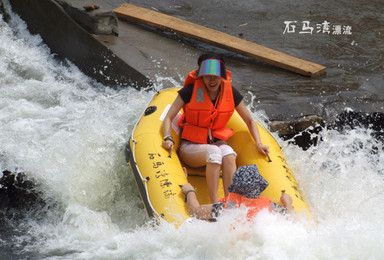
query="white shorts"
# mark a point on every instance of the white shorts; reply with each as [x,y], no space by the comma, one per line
[197,155]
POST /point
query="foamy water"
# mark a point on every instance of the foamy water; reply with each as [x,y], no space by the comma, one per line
[67,133]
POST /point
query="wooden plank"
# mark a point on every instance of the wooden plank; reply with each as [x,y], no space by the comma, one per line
[190,30]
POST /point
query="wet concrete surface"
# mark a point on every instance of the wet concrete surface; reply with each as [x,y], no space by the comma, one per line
[354,78]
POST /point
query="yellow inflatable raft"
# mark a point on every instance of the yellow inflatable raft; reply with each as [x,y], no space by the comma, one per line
[159,175]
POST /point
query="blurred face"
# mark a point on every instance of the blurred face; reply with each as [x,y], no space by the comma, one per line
[212,82]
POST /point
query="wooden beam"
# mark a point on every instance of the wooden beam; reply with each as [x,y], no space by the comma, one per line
[190,30]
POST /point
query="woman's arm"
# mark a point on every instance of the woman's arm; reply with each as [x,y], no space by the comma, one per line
[252,127]
[196,210]
[167,130]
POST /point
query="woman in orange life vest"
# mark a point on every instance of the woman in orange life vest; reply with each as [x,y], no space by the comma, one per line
[247,185]
[208,101]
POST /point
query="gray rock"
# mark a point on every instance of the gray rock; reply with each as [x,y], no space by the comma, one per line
[292,127]
[95,18]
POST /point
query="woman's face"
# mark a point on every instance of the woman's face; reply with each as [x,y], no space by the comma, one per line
[212,82]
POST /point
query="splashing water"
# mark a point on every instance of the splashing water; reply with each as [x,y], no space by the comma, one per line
[67,133]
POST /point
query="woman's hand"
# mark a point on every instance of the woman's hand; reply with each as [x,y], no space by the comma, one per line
[168,144]
[287,201]
[264,149]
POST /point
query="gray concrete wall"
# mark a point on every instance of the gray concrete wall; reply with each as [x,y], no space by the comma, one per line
[69,40]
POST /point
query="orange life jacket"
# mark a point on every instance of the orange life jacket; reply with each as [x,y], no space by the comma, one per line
[254,206]
[202,119]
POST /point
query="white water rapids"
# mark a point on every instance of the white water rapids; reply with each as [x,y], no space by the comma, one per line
[67,133]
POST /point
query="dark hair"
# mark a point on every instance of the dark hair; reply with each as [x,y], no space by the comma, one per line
[209,56]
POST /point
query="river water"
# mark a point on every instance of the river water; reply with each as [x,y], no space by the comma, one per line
[67,134]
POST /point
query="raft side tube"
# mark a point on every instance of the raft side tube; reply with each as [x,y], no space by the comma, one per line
[138,179]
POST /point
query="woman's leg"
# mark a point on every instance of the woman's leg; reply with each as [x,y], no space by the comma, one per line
[229,164]
[212,173]
[197,155]
[229,169]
